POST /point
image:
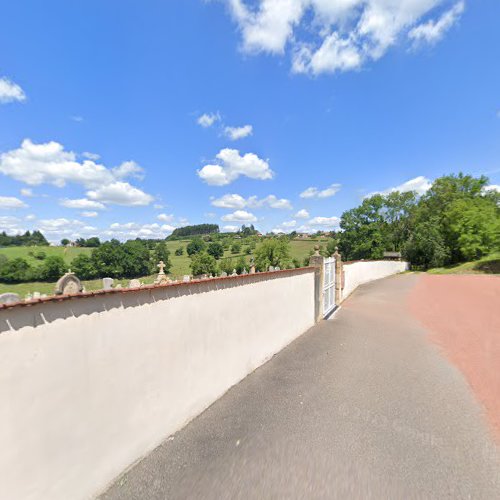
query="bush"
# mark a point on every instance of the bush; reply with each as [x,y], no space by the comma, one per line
[195,246]
[52,269]
[203,263]
[216,250]
[40,255]
[273,252]
[16,270]
[235,248]
[83,266]
[160,253]
[179,251]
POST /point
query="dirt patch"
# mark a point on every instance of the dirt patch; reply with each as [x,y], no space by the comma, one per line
[462,314]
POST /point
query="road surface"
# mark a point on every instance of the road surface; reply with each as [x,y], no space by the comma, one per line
[363,405]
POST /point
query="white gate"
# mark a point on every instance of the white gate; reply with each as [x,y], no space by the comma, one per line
[329,286]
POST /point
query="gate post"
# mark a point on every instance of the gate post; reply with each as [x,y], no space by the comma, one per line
[317,261]
[339,276]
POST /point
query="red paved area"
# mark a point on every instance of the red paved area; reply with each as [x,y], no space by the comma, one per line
[462,314]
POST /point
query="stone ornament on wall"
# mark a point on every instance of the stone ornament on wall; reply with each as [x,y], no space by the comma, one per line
[9,298]
[69,284]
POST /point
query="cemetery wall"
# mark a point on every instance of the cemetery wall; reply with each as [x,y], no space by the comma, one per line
[357,273]
[92,383]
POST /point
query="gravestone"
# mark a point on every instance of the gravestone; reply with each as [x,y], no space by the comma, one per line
[134,284]
[162,278]
[277,268]
[186,278]
[271,268]
[36,295]
[107,283]
[9,298]
[223,274]
[234,273]
[69,284]
[244,271]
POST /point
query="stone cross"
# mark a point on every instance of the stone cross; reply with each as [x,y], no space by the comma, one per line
[161,266]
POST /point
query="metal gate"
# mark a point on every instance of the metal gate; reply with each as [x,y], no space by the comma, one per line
[329,286]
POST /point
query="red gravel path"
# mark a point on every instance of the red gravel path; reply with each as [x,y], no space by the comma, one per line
[462,314]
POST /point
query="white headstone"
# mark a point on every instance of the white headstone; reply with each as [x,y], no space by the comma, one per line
[271,268]
[36,295]
[186,278]
[223,274]
[69,284]
[107,283]
[134,283]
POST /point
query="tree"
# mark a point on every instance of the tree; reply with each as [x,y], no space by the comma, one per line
[426,247]
[216,250]
[179,251]
[273,252]
[195,246]
[16,270]
[65,242]
[92,242]
[83,266]
[161,253]
[235,248]
[52,269]
[203,263]
[240,265]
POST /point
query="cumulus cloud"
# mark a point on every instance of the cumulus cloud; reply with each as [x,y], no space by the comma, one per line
[235,133]
[230,229]
[232,165]
[131,230]
[91,156]
[165,217]
[314,192]
[206,120]
[239,216]
[492,187]
[10,91]
[27,192]
[326,36]
[82,203]
[11,225]
[326,222]
[238,201]
[302,214]
[50,163]
[120,193]
[419,184]
[11,202]
[89,214]
[434,30]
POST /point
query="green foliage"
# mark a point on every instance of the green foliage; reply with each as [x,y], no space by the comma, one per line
[40,255]
[240,265]
[160,253]
[179,251]
[236,248]
[247,230]
[426,247]
[196,230]
[216,250]
[88,243]
[195,246]
[65,242]
[83,267]
[226,266]
[203,263]
[273,252]
[16,270]
[52,269]
[35,238]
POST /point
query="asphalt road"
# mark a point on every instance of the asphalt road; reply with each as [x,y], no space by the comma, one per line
[361,406]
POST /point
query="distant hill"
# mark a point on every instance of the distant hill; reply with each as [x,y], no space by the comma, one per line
[196,230]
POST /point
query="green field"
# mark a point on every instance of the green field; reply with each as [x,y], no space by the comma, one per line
[486,265]
[180,264]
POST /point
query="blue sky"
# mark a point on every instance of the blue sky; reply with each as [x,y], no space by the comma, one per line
[127,119]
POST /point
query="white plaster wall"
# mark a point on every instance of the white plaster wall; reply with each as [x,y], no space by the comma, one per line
[357,273]
[88,386]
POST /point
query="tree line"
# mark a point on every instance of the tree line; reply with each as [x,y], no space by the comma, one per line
[28,239]
[456,220]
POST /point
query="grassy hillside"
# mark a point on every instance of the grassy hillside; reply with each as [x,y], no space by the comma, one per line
[486,265]
[180,264]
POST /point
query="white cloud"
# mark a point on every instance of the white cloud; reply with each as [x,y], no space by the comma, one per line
[314,192]
[165,217]
[208,119]
[10,92]
[326,36]
[327,222]
[235,133]
[289,224]
[419,184]
[89,214]
[230,229]
[30,217]
[128,169]
[11,225]
[11,202]
[434,30]
[239,216]
[492,187]
[77,118]
[302,214]
[82,203]
[91,156]
[131,230]
[120,193]
[27,192]
[232,165]
[49,163]
[238,201]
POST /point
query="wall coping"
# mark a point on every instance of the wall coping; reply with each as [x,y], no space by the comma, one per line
[347,262]
[95,293]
